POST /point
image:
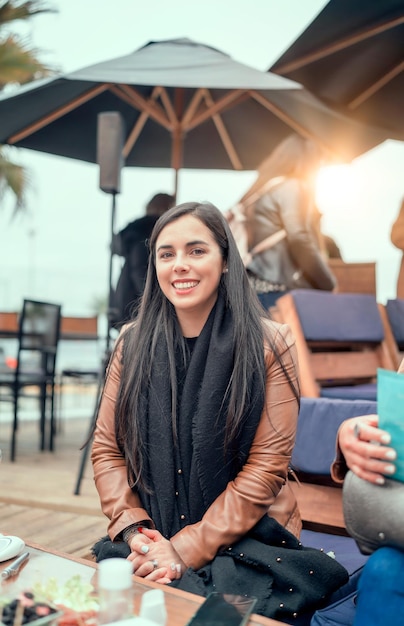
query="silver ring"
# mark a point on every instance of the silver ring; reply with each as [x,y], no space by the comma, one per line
[357,430]
[155,563]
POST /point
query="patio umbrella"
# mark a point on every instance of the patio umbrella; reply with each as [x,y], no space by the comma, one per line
[184,105]
[352,55]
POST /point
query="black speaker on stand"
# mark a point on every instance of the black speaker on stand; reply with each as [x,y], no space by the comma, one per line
[110,140]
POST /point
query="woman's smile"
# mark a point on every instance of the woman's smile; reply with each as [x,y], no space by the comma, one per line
[185,285]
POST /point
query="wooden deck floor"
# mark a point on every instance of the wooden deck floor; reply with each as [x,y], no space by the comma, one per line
[37,501]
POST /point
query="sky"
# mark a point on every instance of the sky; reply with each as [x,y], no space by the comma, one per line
[59,250]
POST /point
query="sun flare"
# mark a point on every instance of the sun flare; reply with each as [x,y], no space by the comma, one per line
[336,188]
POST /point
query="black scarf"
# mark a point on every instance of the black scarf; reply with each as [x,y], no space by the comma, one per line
[201,419]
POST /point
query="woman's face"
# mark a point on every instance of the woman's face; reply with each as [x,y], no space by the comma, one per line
[189,266]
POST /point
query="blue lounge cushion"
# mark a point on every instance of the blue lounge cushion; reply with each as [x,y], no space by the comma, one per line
[344,548]
[317,427]
[326,316]
[367,391]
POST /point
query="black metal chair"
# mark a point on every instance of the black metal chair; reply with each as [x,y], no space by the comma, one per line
[38,338]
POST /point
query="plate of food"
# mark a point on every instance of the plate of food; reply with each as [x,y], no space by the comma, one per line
[73,603]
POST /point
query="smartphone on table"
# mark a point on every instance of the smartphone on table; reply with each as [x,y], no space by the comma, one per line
[223,609]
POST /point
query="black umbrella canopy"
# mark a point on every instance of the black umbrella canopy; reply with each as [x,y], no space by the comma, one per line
[184,105]
[352,55]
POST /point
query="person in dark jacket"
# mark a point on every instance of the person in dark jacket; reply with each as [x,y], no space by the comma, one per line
[131,243]
[298,260]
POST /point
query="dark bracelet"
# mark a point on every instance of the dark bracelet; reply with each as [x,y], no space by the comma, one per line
[134,529]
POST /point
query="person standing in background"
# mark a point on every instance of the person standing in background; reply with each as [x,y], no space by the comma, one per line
[287,204]
[397,239]
[131,243]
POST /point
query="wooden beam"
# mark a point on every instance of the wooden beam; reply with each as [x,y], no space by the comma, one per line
[301,130]
[51,117]
[218,107]
[136,100]
[341,44]
[223,134]
[375,87]
[138,127]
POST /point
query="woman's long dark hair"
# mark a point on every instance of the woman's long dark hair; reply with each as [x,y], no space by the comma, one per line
[156,314]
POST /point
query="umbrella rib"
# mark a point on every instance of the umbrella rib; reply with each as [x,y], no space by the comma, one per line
[346,42]
[138,127]
[192,107]
[216,108]
[168,107]
[287,119]
[223,134]
[51,117]
[135,99]
[365,95]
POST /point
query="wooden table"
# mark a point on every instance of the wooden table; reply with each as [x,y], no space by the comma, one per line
[44,564]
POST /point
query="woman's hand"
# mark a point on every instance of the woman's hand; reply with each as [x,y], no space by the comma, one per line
[154,557]
[365,448]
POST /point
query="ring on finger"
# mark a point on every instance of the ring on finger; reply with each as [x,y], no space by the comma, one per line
[144,549]
[357,430]
[155,563]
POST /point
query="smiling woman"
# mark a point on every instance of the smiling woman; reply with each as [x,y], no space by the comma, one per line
[196,428]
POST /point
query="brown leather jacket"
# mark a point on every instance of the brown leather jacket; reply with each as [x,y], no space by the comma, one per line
[261,486]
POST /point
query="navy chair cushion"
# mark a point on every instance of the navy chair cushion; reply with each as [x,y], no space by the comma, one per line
[345,549]
[326,316]
[351,392]
[318,423]
[395,313]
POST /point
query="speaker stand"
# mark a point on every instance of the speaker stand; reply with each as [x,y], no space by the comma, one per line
[104,364]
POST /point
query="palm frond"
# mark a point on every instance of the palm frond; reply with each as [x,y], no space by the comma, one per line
[19,63]
[14,178]
[12,10]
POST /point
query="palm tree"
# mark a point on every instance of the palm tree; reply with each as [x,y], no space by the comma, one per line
[19,63]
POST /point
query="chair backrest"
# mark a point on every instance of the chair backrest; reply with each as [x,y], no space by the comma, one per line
[339,337]
[79,328]
[39,332]
[9,321]
[354,277]
[392,314]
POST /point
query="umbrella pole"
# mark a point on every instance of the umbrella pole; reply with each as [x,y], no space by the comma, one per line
[175,185]
[110,310]
[101,375]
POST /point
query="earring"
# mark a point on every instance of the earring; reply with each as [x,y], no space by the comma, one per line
[226,269]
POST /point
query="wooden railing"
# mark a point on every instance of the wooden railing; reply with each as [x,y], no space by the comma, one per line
[79,328]
[9,321]
[74,328]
